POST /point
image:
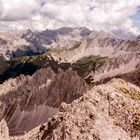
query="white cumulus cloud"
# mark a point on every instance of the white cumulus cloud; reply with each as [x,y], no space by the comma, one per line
[94,14]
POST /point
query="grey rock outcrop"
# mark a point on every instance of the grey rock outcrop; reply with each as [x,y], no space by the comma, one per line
[4,131]
[38,97]
[106,112]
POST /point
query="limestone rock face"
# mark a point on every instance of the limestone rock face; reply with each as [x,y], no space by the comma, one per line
[4,131]
[106,112]
[133,76]
[30,42]
[64,94]
[118,66]
[99,43]
[30,101]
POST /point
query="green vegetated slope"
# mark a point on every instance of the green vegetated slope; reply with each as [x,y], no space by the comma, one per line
[77,45]
[87,64]
[23,65]
[60,50]
[29,64]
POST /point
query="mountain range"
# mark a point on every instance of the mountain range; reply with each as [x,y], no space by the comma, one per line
[28,42]
[71,84]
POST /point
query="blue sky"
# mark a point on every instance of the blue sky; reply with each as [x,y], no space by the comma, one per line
[42,2]
[136,18]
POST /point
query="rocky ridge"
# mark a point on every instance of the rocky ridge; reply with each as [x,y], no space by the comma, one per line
[30,43]
[27,97]
[73,58]
[109,111]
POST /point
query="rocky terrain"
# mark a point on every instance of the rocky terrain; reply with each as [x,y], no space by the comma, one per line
[28,97]
[133,76]
[105,112]
[121,56]
[4,131]
[57,84]
[30,43]
[109,111]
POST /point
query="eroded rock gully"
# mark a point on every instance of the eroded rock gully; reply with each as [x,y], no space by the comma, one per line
[35,99]
[106,112]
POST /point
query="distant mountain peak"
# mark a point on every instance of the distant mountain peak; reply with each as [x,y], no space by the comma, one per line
[123,34]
